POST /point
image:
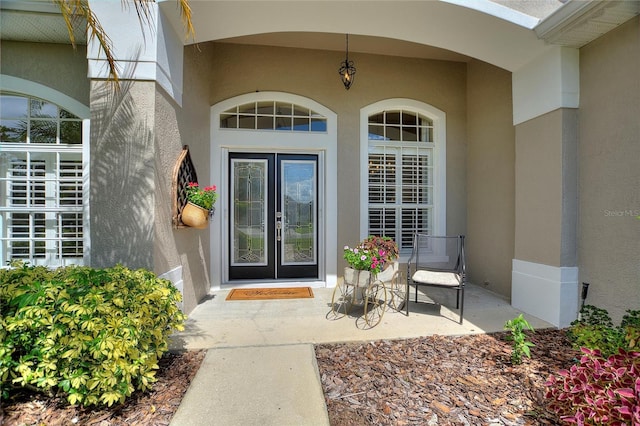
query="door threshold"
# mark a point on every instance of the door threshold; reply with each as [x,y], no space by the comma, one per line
[272,284]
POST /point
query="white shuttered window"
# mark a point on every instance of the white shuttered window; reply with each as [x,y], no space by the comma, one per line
[41,183]
[400,174]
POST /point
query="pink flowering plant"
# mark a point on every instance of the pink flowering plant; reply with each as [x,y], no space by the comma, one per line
[371,254]
[202,197]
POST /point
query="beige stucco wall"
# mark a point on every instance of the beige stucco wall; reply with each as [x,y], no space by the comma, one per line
[187,249]
[57,66]
[238,69]
[609,169]
[545,189]
[490,177]
[122,181]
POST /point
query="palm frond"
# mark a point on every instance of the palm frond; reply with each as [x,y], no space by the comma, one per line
[75,10]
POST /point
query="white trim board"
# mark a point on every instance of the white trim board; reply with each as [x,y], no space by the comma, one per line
[324,144]
[547,292]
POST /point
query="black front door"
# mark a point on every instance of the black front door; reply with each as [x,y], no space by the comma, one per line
[273,219]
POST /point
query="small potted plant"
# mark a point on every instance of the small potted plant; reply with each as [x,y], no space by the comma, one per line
[370,257]
[199,205]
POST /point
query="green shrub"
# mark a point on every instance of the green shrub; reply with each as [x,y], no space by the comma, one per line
[595,330]
[520,343]
[94,334]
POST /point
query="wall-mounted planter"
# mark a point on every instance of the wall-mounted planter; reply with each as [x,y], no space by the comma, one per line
[183,173]
[195,216]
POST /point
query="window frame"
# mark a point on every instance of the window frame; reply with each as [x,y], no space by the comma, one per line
[438,147]
[58,151]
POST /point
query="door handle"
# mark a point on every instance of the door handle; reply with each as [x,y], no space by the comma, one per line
[278,226]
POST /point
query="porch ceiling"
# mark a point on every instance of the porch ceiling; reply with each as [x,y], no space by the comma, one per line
[495,31]
[447,29]
[36,21]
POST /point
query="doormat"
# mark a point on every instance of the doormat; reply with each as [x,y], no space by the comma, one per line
[270,293]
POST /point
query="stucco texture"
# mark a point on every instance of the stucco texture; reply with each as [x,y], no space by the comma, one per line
[546,189]
[58,66]
[187,249]
[490,177]
[609,169]
[122,181]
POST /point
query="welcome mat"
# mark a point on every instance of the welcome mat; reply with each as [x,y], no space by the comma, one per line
[270,293]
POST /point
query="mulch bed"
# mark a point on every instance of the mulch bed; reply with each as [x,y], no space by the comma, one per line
[155,407]
[467,380]
[434,380]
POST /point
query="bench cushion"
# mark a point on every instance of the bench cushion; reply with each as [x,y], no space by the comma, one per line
[447,279]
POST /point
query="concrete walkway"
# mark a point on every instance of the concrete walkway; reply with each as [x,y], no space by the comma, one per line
[260,367]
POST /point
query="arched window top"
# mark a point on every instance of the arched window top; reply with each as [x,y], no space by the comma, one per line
[27,119]
[273,115]
[400,125]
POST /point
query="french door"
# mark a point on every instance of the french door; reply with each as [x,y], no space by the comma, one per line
[273,220]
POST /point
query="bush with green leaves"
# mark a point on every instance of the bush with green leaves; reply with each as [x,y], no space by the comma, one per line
[520,343]
[94,334]
[595,330]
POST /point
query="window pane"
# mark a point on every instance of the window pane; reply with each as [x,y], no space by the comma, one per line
[382,178]
[426,134]
[414,220]
[416,179]
[301,124]
[393,133]
[318,124]
[301,111]
[246,122]
[265,123]
[43,131]
[13,106]
[425,121]
[283,108]
[43,109]
[265,108]
[13,130]
[71,132]
[409,118]
[284,123]
[377,118]
[393,117]
[228,121]
[376,132]
[70,235]
[409,134]
[382,222]
[247,108]
[67,114]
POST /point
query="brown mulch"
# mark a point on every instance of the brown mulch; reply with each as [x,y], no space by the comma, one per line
[154,407]
[467,380]
[434,380]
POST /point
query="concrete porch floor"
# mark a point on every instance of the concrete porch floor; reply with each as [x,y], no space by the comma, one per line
[260,367]
[218,323]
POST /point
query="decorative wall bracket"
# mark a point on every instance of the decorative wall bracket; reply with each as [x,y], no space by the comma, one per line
[183,173]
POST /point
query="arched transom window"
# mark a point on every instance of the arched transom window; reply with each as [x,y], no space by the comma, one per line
[41,182]
[273,115]
[402,191]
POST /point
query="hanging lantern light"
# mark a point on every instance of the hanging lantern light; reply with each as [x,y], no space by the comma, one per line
[347,70]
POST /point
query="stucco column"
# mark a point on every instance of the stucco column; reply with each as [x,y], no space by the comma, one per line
[123,128]
[544,271]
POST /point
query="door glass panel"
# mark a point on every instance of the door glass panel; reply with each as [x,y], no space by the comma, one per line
[249,192]
[299,207]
